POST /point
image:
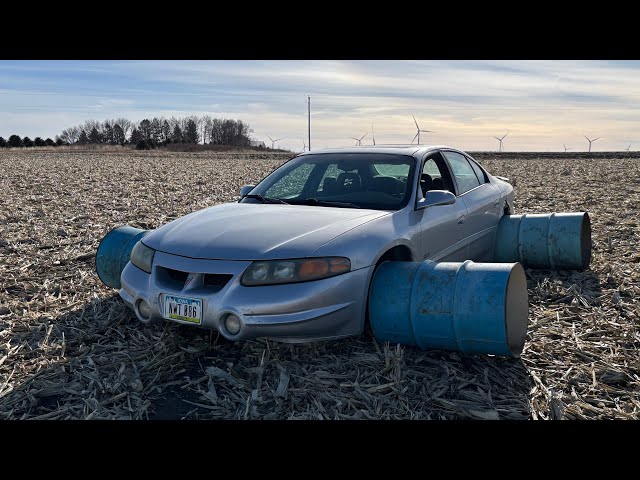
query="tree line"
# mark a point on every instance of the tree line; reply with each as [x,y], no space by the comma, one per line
[146,133]
[16,141]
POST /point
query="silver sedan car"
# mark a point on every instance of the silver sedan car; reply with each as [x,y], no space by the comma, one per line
[293,259]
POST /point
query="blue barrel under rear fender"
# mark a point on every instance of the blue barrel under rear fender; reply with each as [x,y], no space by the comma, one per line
[114,251]
[555,240]
[467,307]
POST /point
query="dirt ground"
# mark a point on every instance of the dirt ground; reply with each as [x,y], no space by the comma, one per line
[69,349]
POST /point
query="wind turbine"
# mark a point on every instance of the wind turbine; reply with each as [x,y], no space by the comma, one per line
[374,137]
[359,140]
[627,149]
[591,141]
[274,141]
[565,147]
[304,147]
[500,140]
[418,128]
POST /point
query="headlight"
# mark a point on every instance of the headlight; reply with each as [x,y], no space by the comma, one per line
[292,271]
[142,257]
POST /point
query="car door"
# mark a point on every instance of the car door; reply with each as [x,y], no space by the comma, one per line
[441,227]
[482,201]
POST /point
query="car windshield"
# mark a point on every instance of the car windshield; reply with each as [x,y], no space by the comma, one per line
[346,180]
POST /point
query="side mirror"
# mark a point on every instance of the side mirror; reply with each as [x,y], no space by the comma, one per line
[435,198]
[246,189]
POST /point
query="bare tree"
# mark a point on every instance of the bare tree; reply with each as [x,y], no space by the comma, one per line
[89,125]
[64,136]
[156,130]
[166,131]
[124,124]
[72,134]
[216,131]
[205,127]
[173,121]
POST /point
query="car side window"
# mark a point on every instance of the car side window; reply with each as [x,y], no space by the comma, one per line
[465,176]
[431,168]
[479,173]
[435,175]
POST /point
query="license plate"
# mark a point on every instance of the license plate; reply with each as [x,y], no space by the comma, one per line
[183,308]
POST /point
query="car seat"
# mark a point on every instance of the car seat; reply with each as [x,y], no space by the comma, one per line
[329,185]
[437,184]
[349,182]
[386,184]
[426,183]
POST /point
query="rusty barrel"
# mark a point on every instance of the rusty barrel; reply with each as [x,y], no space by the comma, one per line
[467,307]
[555,240]
[114,252]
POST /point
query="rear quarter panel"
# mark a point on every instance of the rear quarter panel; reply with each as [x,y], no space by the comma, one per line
[506,193]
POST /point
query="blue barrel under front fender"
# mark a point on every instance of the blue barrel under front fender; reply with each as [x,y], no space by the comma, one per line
[114,252]
[468,307]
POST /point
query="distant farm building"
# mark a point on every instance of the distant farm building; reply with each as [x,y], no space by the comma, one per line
[258,143]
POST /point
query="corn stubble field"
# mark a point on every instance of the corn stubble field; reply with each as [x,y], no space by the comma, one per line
[69,349]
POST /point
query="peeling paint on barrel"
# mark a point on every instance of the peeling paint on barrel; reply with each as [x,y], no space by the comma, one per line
[114,252]
[467,307]
[555,240]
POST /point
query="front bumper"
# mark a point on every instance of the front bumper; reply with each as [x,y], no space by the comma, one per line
[322,309]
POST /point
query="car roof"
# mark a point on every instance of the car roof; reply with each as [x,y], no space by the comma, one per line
[402,149]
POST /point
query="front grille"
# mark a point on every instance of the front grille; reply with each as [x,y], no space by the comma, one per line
[174,279]
[177,275]
[171,278]
[216,281]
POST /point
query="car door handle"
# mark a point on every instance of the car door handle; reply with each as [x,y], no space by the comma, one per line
[460,220]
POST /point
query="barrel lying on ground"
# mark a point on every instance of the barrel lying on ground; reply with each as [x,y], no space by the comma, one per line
[556,240]
[469,307]
[114,252]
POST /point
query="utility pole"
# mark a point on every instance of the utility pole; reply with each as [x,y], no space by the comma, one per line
[309,119]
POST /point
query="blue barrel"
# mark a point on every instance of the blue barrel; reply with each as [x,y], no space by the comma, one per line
[114,251]
[467,307]
[556,240]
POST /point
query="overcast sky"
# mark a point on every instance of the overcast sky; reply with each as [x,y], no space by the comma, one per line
[543,104]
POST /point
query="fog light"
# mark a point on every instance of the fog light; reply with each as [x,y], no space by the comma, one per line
[232,324]
[144,309]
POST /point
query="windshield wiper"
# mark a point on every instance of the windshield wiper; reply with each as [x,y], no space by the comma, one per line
[266,199]
[325,203]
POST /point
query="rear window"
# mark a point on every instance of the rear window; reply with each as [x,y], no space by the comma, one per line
[465,176]
[392,170]
[479,173]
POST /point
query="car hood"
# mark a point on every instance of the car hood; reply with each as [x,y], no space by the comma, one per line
[247,231]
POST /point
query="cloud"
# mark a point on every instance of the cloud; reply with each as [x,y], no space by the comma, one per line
[542,103]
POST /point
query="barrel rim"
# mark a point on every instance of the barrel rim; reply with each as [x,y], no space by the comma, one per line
[585,241]
[515,334]
[98,251]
